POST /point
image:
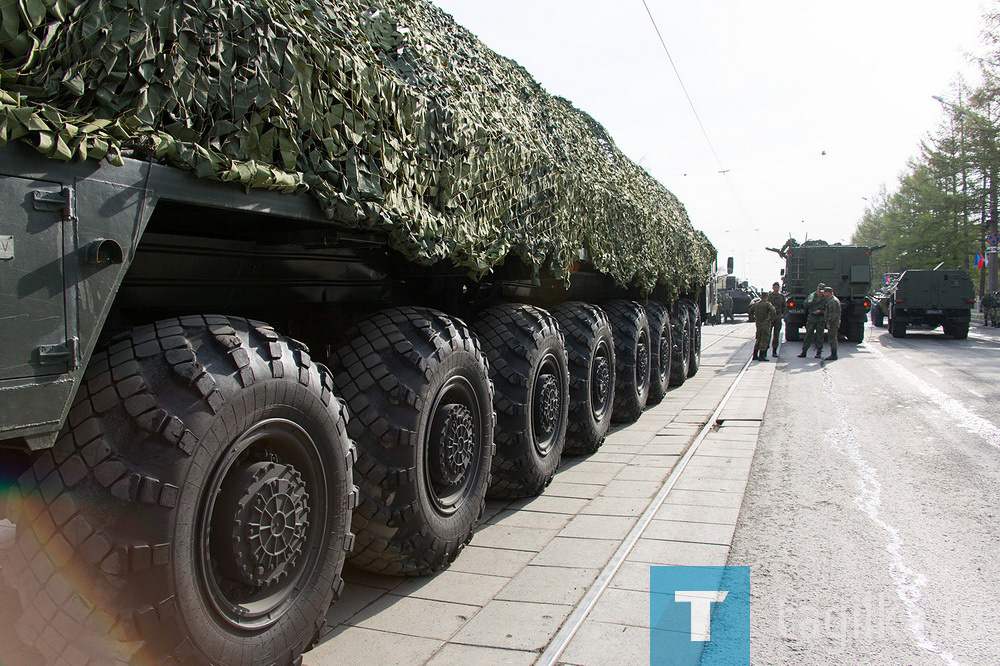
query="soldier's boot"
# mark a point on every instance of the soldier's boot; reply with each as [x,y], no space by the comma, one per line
[774,352]
[803,354]
[819,353]
[831,357]
[763,355]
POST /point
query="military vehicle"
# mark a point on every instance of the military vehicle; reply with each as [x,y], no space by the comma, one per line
[846,268]
[273,275]
[928,298]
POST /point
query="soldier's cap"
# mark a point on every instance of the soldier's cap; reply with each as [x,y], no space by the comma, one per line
[821,287]
[829,289]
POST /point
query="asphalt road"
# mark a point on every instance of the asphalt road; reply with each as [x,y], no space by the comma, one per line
[871,522]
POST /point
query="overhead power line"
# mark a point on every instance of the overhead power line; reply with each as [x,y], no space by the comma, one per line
[722,170]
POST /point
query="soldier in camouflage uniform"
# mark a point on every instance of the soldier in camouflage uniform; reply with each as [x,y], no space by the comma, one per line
[831,315]
[727,307]
[775,298]
[815,321]
[762,313]
[989,304]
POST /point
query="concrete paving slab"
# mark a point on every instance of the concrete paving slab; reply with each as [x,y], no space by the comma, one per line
[576,552]
[357,645]
[615,528]
[641,473]
[533,519]
[689,532]
[411,616]
[629,488]
[513,537]
[704,498]
[576,490]
[515,625]
[553,585]
[674,553]
[492,561]
[698,514]
[456,654]
[605,644]
[453,586]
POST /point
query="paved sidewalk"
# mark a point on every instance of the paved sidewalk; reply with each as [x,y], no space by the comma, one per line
[511,590]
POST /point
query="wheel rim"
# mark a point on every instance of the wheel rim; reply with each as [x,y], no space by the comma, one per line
[453,445]
[663,353]
[547,396]
[600,381]
[260,523]
[641,363]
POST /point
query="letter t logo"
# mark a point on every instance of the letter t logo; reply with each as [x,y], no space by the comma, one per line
[701,611]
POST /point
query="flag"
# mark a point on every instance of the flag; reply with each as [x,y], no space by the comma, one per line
[980,261]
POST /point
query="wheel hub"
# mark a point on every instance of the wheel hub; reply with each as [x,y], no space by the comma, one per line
[546,405]
[267,508]
[641,363]
[451,444]
[602,380]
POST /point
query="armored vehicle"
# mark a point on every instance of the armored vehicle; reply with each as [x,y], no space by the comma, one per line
[846,268]
[928,298]
[281,282]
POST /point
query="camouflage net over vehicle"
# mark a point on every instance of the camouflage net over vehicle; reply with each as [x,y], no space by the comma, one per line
[393,116]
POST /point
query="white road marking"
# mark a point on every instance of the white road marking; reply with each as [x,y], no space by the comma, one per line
[909,583]
[976,393]
[932,370]
[962,415]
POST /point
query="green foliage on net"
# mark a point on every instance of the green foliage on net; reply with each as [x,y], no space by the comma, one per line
[394,117]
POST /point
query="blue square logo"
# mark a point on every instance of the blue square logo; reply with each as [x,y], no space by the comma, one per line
[699,615]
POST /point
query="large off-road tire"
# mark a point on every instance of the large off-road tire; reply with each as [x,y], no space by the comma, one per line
[527,359]
[897,328]
[195,508]
[878,316]
[793,334]
[661,346]
[590,348]
[960,331]
[681,349]
[856,332]
[419,393]
[694,327]
[630,328]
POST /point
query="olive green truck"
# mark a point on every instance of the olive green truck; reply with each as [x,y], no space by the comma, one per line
[846,268]
[926,299]
[285,283]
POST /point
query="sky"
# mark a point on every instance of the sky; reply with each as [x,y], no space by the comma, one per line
[799,111]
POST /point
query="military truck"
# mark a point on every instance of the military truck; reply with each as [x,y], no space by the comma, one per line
[846,268]
[928,298]
[281,282]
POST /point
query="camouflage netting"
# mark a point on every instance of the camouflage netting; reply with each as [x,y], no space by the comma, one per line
[394,117]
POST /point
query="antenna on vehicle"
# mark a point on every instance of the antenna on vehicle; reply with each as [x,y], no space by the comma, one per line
[939,265]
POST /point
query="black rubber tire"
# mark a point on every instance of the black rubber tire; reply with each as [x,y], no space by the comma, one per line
[527,359]
[792,334]
[960,331]
[590,348]
[681,348]
[630,328]
[856,332]
[411,375]
[897,328]
[661,345]
[694,337]
[878,317]
[141,533]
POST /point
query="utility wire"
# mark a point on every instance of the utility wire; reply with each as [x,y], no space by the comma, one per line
[724,171]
